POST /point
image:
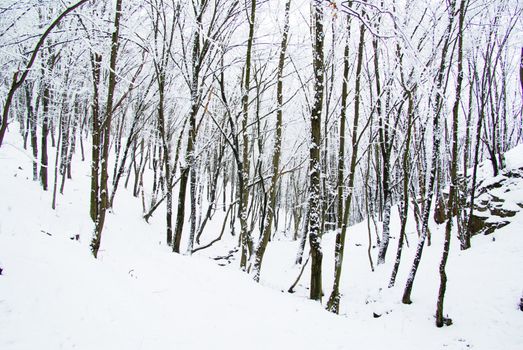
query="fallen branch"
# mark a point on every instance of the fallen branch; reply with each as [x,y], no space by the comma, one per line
[221,233]
[291,288]
[148,215]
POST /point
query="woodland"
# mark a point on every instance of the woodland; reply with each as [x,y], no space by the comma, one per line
[263,119]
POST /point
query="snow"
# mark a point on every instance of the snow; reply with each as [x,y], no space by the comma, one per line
[514,157]
[139,295]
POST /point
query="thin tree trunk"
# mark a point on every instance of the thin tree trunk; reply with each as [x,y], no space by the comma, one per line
[405,195]
[44,160]
[57,157]
[31,118]
[100,218]
[434,163]
[164,136]
[244,166]
[333,304]
[383,134]
[72,147]
[96,61]
[118,174]
[303,239]
[440,319]
[64,146]
[190,170]
[267,223]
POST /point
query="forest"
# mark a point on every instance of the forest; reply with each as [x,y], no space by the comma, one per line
[262,120]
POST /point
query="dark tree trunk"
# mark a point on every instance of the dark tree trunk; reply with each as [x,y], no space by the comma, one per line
[45,131]
[31,119]
[243,166]
[104,159]
[434,162]
[405,195]
[333,303]
[315,229]
[440,319]
[96,61]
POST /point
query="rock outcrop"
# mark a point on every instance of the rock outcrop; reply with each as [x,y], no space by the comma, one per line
[495,203]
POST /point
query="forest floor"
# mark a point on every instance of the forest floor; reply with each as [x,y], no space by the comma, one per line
[139,295]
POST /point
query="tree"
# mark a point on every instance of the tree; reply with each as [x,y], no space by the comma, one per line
[244,164]
[385,148]
[106,134]
[20,76]
[276,153]
[315,229]
[436,139]
[204,52]
[334,299]
[452,202]
[164,21]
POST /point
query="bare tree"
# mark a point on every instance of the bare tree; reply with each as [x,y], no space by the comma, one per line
[21,75]
[452,202]
[276,155]
[334,300]
[315,229]
[106,134]
[438,105]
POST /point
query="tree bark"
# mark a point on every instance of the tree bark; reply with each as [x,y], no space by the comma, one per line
[440,319]
[189,170]
[405,195]
[106,128]
[96,61]
[434,162]
[244,166]
[315,229]
[333,303]
[44,160]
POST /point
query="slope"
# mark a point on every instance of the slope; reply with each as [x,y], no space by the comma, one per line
[138,295]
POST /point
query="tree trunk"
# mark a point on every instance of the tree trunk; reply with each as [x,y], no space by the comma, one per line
[165,140]
[434,163]
[333,304]
[57,158]
[106,128]
[405,195]
[315,229]
[440,319]
[96,61]
[244,166]
[383,134]
[267,224]
[31,118]
[45,132]
[189,170]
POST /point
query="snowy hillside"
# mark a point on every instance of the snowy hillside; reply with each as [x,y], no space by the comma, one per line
[139,295]
[298,174]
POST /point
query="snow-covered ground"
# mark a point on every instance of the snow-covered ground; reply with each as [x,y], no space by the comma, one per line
[139,295]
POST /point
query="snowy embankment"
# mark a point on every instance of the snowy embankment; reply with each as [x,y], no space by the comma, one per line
[139,295]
